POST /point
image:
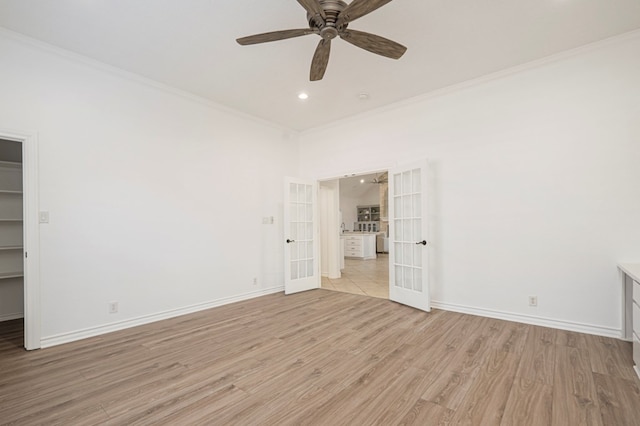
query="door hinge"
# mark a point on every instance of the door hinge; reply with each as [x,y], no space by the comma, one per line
[25,254]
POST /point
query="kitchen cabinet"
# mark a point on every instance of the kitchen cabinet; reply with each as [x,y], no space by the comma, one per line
[360,246]
[368,213]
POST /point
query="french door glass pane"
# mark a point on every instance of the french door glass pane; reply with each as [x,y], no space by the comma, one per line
[408,254]
[408,230]
[294,270]
[417,230]
[398,253]
[416,181]
[398,273]
[417,206]
[406,206]
[417,255]
[417,279]
[398,229]
[397,184]
[293,192]
[408,277]
[397,206]
[406,182]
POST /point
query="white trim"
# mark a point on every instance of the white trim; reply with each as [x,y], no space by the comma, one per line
[137,78]
[9,317]
[31,229]
[59,339]
[530,319]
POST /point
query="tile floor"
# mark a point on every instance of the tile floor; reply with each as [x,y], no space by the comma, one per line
[367,277]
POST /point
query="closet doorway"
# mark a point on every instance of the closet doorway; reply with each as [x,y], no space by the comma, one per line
[19,238]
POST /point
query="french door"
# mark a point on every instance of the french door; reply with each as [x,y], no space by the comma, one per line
[408,254]
[301,266]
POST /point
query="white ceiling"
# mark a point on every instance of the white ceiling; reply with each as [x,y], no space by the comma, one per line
[352,187]
[190,45]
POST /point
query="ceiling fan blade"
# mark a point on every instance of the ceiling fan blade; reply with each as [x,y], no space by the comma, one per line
[357,9]
[313,7]
[320,60]
[273,36]
[373,43]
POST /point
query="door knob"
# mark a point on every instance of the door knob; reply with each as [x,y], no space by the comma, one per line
[423,242]
[290,241]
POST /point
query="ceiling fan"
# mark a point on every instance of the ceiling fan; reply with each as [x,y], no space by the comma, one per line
[382,178]
[329,19]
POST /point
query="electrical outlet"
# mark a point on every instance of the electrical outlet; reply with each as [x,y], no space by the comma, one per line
[533,300]
[255,281]
[113,307]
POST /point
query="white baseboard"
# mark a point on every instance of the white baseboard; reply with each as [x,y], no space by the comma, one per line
[59,339]
[9,317]
[530,319]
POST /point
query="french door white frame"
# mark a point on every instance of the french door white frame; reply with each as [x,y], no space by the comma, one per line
[301,234]
[31,234]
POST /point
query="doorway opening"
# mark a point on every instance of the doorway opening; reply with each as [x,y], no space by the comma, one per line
[19,238]
[354,229]
[11,241]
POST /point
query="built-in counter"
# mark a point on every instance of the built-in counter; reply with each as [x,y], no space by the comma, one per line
[630,277]
[360,245]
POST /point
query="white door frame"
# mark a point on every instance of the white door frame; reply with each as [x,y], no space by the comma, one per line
[31,234]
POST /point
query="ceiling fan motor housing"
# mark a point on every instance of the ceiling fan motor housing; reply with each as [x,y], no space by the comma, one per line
[327,29]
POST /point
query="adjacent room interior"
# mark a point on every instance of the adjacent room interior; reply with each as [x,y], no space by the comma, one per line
[320,212]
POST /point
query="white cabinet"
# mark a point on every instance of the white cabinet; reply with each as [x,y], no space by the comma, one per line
[11,250]
[362,246]
[631,308]
[636,325]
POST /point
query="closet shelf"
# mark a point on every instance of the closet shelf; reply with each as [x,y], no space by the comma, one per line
[10,220]
[7,275]
[11,248]
[7,191]
[11,164]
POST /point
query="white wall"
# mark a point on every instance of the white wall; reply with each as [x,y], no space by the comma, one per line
[155,199]
[349,203]
[535,184]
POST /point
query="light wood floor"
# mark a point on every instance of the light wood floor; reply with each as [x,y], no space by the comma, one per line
[322,358]
[366,277]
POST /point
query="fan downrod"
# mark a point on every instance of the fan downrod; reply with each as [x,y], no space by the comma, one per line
[327,29]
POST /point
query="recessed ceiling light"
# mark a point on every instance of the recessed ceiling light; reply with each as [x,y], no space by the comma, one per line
[303,96]
[361,180]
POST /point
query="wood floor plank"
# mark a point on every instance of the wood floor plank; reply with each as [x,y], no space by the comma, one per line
[427,413]
[530,404]
[618,400]
[612,357]
[485,402]
[574,392]
[538,356]
[318,358]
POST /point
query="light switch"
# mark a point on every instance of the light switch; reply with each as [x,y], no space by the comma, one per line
[44,217]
